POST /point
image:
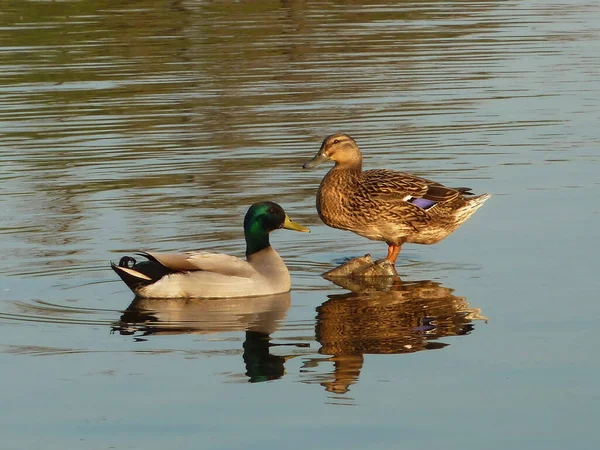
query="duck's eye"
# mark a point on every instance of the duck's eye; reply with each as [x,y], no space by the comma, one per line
[272,211]
[336,141]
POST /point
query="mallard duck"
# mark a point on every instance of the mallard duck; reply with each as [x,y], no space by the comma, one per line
[203,275]
[385,205]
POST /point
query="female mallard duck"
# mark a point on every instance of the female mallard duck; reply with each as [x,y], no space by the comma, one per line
[385,205]
[204,274]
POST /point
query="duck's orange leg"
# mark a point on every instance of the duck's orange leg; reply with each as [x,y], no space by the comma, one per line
[393,252]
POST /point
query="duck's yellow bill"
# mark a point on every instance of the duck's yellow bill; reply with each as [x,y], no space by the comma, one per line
[289,224]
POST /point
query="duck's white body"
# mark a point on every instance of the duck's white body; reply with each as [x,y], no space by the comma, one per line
[214,275]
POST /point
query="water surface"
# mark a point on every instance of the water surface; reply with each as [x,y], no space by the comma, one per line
[154,125]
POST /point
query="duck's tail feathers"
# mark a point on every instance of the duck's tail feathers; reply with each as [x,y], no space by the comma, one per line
[479,200]
[471,205]
[131,277]
[464,190]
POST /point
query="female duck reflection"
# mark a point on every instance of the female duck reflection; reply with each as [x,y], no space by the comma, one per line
[259,317]
[402,317]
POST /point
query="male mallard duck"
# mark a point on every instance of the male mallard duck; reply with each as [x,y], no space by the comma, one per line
[204,274]
[385,205]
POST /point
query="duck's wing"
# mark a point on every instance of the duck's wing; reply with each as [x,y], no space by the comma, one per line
[206,261]
[402,198]
[391,185]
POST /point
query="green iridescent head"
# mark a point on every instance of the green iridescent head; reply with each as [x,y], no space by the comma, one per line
[260,220]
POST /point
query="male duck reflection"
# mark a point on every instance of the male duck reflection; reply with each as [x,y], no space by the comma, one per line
[385,205]
[258,317]
[204,274]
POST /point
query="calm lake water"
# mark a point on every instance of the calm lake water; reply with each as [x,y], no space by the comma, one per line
[155,124]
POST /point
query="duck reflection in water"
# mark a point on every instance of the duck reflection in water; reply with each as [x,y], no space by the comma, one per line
[384,315]
[258,317]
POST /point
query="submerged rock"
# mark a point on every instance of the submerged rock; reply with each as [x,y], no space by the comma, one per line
[380,268]
[363,274]
[349,268]
[366,284]
[363,266]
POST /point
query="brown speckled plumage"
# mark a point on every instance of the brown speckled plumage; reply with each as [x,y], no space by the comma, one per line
[377,204]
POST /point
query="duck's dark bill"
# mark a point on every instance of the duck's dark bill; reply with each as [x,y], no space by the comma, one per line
[318,159]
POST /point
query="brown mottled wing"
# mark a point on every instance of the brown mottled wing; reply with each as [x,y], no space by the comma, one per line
[409,214]
[382,195]
[389,184]
[391,190]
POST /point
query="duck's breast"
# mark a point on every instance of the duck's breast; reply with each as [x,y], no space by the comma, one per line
[334,199]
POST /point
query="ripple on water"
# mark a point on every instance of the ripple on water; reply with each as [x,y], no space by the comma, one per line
[384,316]
[155,125]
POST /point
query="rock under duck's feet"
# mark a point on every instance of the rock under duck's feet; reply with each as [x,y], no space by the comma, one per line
[366,284]
[363,267]
[349,268]
[380,268]
[362,274]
